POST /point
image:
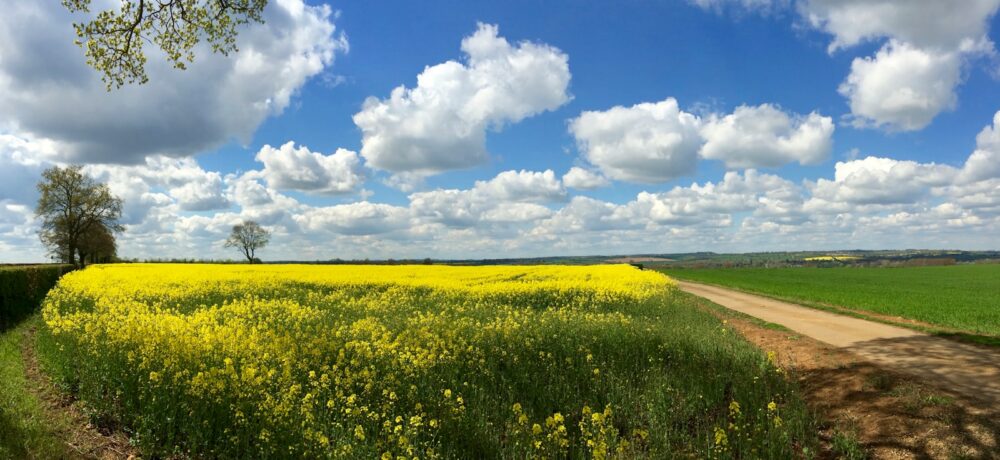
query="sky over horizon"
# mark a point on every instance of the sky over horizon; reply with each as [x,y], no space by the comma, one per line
[396,129]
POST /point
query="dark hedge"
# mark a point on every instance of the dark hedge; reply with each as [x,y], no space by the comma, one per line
[22,289]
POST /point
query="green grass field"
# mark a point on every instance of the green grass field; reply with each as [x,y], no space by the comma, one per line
[963,297]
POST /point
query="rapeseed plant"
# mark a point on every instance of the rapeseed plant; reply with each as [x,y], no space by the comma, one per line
[282,361]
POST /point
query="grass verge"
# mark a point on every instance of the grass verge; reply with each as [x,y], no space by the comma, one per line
[26,430]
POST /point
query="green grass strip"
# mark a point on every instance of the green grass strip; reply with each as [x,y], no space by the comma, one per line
[961,302]
[26,431]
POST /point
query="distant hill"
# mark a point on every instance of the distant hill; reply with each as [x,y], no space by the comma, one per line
[689,260]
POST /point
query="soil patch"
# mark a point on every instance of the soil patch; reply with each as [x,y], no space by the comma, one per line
[84,439]
[884,413]
[972,371]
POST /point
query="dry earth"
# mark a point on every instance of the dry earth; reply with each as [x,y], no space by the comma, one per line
[84,439]
[898,392]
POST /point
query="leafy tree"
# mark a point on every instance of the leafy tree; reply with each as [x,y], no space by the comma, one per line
[98,245]
[248,237]
[76,212]
[114,38]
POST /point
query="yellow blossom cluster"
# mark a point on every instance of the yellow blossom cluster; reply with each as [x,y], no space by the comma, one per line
[333,361]
[393,362]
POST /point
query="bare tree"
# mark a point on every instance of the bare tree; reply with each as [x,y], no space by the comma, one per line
[73,208]
[248,237]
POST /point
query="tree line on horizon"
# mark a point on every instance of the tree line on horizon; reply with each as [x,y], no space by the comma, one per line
[80,220]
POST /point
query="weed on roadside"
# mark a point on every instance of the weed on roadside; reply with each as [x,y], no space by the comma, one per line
[845,444]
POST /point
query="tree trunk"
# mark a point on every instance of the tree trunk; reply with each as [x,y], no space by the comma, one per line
[72,254]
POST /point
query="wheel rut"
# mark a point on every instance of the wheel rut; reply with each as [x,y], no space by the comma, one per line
[970,370]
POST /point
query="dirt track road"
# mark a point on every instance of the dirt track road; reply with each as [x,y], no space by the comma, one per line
[969,370]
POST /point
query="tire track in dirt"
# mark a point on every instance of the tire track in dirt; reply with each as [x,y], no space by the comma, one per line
[969,370]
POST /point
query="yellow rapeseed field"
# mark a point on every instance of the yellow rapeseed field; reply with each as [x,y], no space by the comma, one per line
[833,258]
[280,361]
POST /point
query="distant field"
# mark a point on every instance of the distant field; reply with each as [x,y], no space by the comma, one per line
[965,297]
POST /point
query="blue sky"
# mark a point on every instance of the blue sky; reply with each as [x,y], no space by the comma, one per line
[620,54]
[742,125]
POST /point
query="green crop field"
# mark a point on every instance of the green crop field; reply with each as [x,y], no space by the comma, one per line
[965,297]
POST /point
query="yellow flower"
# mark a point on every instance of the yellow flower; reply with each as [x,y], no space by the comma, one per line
[305,351]
[720,437]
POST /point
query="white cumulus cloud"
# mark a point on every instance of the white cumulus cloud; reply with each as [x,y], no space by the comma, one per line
[984,163]
[914,76]
[48,91]
[441,124]
[714,203]
[765,136]
[924,23]
[361,218]
[181,179]
[657,142]
[876,180]
[516,212]
[21,162]
[902,87]
[291,168]
[502,199]
[525,186]
[584,179]
[647,142]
